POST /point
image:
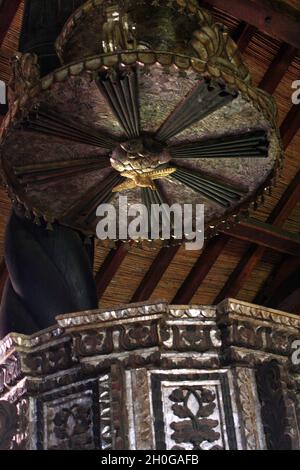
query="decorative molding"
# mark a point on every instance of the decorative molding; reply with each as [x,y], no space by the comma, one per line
[252,427]
[196,312]
[139,410]
[146,376]
[105,413]
[230,308]
[128,311]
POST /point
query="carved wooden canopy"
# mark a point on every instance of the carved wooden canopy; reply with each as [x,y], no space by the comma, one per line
[153,101]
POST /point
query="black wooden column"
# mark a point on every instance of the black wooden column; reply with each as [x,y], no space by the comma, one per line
[42,23]
[50,272]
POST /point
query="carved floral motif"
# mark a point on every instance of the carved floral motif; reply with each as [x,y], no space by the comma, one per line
[194,407]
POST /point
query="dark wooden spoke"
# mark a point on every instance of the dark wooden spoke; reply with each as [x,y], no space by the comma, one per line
[50,122]
[253,144]
[147,202]
[84,211]
[52,172]
[122,94]
[209,187]
[205,98]
[150,198]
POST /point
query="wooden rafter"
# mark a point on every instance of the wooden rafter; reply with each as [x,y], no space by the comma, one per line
[243,35]
[200,270]
[278,68]
[287,266]
[254,254]
[109,268]
[291,125]
[266,235]
[8,11]
[153,276]
[287,203]
[276,18]
[241,273]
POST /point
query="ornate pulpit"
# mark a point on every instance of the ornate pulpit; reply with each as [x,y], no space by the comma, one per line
[154,376]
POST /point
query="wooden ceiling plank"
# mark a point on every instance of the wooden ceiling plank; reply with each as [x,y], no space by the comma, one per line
[109,268]
[278,68]
[276,18]
[7,13]
[200,270]
[155,273]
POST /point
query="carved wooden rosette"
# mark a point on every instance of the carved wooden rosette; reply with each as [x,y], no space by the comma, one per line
[154,376]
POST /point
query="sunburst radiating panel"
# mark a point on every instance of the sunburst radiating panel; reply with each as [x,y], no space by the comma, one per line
[155,104]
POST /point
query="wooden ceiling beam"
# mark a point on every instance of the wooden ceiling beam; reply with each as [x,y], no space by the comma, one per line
[8,11]
[278,68]
[290,125]
[200,270]
[287,203]
[286,243]
[241,273]
[266,235]
[243,35]
[282,271]
[278,19]
[155,273]
[109,268]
